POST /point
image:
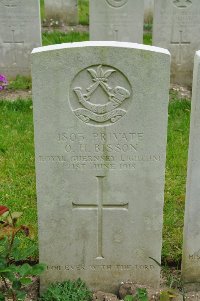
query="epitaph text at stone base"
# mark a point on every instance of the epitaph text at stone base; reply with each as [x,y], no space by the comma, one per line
[100,115]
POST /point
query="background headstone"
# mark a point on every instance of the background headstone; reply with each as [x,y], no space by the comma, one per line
[62,11]
[117,20]
[176,27]
[20,32]
[100,115]
[191,248]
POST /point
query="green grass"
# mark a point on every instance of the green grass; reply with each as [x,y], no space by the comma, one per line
[148,26]
[147,39]
[17,171]
[83,6]
[42,12]
[67,290]
[20,83]
[57,37]
[176,168]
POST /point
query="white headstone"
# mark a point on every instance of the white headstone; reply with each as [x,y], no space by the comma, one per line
[177,28]
[191,248]
[117,20]
[20,32]
[100,114]
[62,11]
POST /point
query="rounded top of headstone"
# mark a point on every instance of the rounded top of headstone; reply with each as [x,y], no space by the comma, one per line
[109,44]
[182,3]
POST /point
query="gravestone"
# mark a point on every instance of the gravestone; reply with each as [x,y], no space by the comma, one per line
[20,32]
[117,20]
[61,11]
[191,249]
[100,115]
[177,28]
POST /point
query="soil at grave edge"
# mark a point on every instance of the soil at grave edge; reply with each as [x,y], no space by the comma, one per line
[12,95]
[33,290]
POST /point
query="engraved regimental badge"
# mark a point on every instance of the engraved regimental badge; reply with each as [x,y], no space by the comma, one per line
[182,3]
[100,95]
[117,3]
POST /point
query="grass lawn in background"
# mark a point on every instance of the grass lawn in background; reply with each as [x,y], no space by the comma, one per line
[83,6]
[176,170]
[58,37]
[42,9]
[17,171]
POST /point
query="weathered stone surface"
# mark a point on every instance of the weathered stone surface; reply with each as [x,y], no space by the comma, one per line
[177,28]
[60,11]
[191,248]
[20,32]
[100,115]
[117,20]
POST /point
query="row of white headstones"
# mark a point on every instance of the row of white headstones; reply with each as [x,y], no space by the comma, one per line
[176,27]
[67,11]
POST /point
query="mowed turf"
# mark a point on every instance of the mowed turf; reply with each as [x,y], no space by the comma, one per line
[57,37]
[176,170]
[17,171]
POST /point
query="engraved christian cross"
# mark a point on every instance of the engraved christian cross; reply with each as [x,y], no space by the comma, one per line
[13,42]
[100,207]
[180,43]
